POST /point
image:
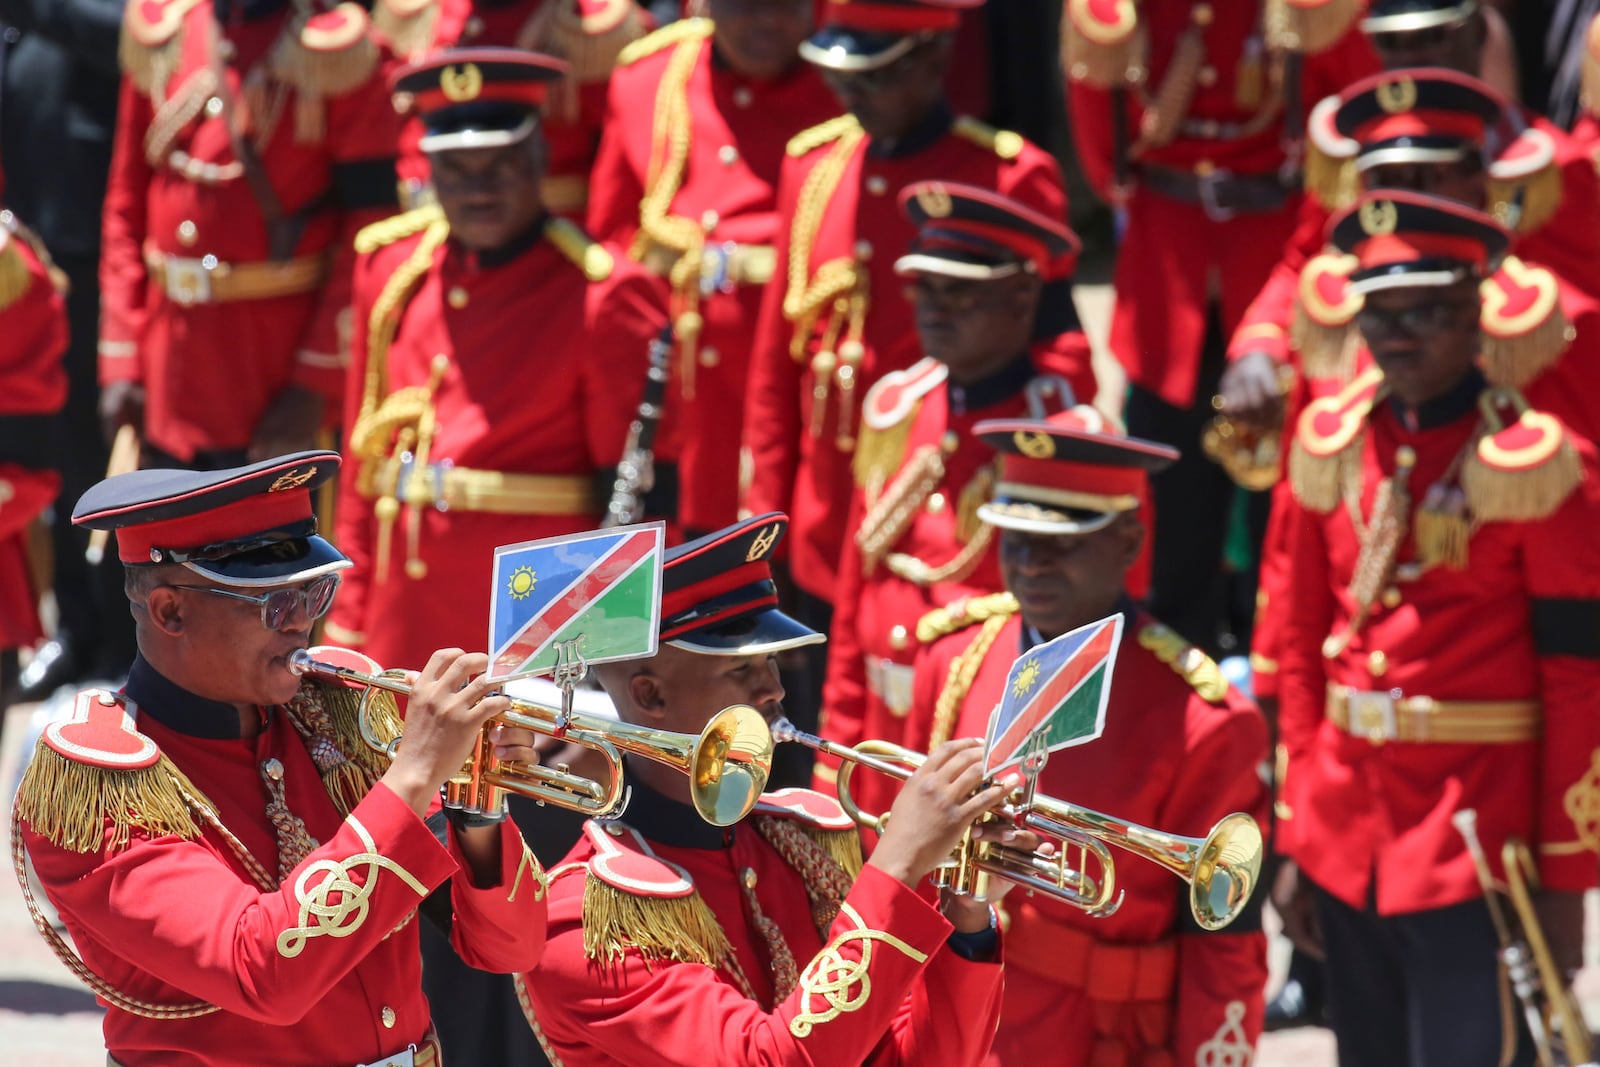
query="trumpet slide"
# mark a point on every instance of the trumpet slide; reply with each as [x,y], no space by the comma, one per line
[1222,868]
[727,762]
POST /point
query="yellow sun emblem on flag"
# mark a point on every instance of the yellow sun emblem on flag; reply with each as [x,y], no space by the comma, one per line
[1027,674]
[523,582]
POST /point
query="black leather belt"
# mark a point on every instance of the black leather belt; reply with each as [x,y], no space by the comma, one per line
[1222,194]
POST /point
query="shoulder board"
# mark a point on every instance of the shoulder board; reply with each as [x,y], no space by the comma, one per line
[823,133]
[1193,665]
[1525,181]
[817,810]
[587,254]
[1326,428]
[673,33]
[1524,470]
[1524,328]
[634,899]
[893,398]
[1006,144]
[387,231]
[1330,173]
[95,771]
[963,613]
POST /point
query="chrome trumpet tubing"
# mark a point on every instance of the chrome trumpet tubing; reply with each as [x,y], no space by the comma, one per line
[728,762]
[1222,868]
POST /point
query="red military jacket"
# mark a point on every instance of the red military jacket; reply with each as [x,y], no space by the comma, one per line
[484,370]
[1559,227]
[707,145]
[1505,626]
[657,953]
[308,966]
[1181,749]
[313,107]
[916,542]
[589,43]
[838,321]
[33,386]
[1177,257]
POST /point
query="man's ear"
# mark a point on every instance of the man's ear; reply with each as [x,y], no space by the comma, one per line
[164,607]
[648,695]
[1131,536]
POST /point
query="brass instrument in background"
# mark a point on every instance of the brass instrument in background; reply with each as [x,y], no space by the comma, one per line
[1559,1032]
[727,763]
[1251,458]
[1222,868]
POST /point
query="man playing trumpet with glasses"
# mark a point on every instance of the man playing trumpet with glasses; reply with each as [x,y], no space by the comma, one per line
[239,873]
[1181,748]
[676,942]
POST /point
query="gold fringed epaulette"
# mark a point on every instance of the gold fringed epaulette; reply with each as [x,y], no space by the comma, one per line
[16,274]
[1322,331]
[1006,144]
[406,25]
[151,42]
[589,255]
[1522,470]
[887,414]
[387,231]
[1099,42]
[1329,166]
[1522,326]
[1310,26]
[635,900]
[1589,90]
[1525,181]
[822,819]
[591,36]
[326,54]
[673,33]
[1326,429]
[94,779]
[1187,661]
[328,715]
[821,134]
[960,614]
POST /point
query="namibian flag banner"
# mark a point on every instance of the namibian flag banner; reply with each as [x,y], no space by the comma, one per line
[602,589]
[1055,695]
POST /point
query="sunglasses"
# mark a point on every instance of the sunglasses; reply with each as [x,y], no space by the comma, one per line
[281,605]
[1427,320]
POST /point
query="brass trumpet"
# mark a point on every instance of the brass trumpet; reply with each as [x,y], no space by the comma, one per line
[1560,1035]
[1222,868]
[727,763]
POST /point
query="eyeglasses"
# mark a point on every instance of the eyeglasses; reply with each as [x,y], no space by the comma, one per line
[281,605]
[1426,320]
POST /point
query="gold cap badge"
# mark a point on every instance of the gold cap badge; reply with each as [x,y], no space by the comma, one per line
[292,480]
[1035,445]
[763,543]
[935,200]
[1379,218]
[460,84]
[1398,95]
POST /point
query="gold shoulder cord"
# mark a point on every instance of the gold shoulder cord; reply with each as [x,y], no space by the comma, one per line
[963,671]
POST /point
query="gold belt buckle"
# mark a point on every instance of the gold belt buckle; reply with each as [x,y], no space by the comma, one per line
[1372,715]
[188,281]
[408,1058]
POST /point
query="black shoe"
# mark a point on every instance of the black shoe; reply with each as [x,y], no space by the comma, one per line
[1293,1007]
[53,666]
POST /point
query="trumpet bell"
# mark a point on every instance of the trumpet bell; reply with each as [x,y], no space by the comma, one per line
[729,766]
[1227,866]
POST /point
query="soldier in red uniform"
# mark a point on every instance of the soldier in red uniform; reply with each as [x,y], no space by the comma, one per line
[240,874]
[1439,651]
[33,386]
[254,139]
[686,181]
[836,323]
[587,35]
[498,357]
[1181,749]
[976,268]
[1187,119]
[676,942]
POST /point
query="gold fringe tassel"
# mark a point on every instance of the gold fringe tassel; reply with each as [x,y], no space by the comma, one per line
[1332,180]
[1097,64]
[1315,479]
[406,24]
[879,453]
[1443,528]
[1327,351]
[842,846]
[591,55]
[1314,27]
[15,277]
[1589,93]
[681,929]
[70,803]
[1516,361]
[324,72]
[1495,495]
[1531,200]
[893,513]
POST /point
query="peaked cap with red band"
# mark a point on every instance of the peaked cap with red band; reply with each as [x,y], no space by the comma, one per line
[860,35]
[1402,240]
[476,97]
[246,526]
[1421,115]
[718,596]
[1071,473]
[968,232]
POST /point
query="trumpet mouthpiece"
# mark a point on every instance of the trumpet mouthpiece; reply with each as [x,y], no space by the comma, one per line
[300,662]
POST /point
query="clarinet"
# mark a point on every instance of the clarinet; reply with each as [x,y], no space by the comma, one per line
[636,474]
